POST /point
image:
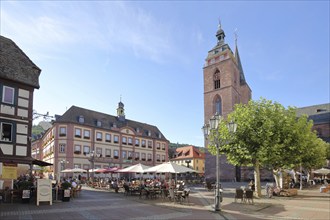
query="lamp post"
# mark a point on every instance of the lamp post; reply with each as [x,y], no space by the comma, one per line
[92,159]
[212,127]
[61,167]
[61,164]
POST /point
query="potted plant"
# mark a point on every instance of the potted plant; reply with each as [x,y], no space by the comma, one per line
[66,191]
[24,187]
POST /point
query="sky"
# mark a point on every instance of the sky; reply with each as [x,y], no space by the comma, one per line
[150,55]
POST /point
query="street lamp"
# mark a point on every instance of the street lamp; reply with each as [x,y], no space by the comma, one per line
[212,127]
[62,167]
[92,159]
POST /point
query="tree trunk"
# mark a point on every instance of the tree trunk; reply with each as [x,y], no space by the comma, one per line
[276,177]
[257,179]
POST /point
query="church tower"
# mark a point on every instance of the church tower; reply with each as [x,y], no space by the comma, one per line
[224,86]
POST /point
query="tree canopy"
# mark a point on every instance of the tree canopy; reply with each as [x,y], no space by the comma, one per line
[269,136]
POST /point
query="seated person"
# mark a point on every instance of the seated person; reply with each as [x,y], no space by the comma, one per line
[74,184]
[252,185]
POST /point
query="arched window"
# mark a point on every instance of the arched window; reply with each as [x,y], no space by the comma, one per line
[218,105]
[216,78]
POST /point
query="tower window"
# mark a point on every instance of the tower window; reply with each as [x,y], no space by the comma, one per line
[218,106]
[216,78]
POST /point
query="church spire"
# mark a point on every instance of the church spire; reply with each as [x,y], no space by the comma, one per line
[238,61]
[220,34]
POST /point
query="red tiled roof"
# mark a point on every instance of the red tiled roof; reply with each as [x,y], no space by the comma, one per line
[188,152]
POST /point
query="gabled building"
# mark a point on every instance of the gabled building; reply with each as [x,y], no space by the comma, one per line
[191,157]
[83,138]
[19,76]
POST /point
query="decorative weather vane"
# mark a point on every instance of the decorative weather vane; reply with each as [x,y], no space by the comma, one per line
[219,25]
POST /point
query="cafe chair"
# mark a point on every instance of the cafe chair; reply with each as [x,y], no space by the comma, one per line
[127,191]
[239,195]
[185,195]
[15,194]
[249,196]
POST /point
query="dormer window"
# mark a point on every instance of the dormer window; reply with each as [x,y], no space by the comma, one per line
[137,130]
[114,125]
[81,119]
[98,123]
[149,133]
[159,135]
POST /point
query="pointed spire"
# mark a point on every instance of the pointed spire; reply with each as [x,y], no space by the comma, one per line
[238,60]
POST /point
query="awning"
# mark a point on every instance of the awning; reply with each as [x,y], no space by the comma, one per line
[41,163]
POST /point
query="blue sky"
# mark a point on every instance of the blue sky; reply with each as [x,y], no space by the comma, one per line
[151,53]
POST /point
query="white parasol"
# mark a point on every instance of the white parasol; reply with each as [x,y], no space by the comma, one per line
[169,167]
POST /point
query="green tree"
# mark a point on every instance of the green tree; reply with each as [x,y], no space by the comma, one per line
[267,136]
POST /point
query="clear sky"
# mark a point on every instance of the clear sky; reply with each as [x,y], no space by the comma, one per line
[151,53]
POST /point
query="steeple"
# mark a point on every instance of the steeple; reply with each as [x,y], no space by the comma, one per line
[239,64]
[121,111]
[220,34]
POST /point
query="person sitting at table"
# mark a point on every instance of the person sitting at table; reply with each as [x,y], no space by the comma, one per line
[181,186]
[252,185]
[73,184]
[172,184]
[324,186]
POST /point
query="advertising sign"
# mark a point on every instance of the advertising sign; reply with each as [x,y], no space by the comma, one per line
[44,191]
[9,171]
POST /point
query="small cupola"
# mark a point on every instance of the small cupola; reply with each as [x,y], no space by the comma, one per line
[121,111]
[220,35]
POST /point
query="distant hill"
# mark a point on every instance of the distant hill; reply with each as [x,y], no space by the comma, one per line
[40,128]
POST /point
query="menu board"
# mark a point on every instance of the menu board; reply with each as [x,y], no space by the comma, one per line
[9,171]
[44,191]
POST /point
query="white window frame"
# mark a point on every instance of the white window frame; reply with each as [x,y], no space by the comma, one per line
[4,92]
[108,137]
[87,134]
[124,154]
[77,132]
[87,150]
[62,131]
[107,152]
[124,140]
[99,136]
[116,139]
[61,148]
[77,149]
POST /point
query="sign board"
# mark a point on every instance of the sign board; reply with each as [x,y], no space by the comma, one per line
[9,171]
[26,194]
[44,191]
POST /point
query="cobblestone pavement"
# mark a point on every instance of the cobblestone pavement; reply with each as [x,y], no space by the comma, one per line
[100,204]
